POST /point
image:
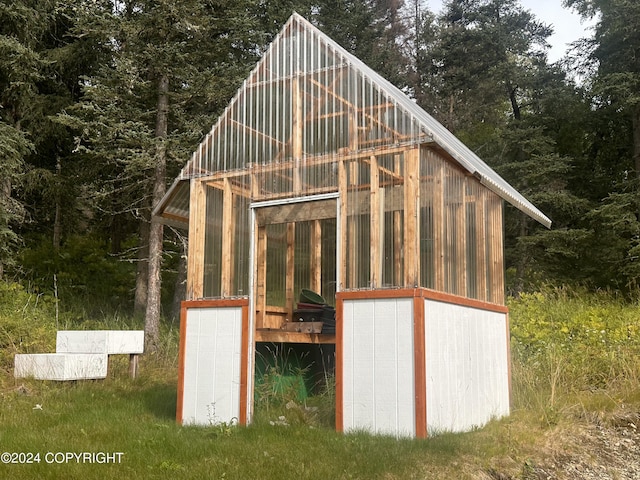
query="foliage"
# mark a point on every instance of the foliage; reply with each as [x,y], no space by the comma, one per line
[27,324]
[82,273]
[567,341]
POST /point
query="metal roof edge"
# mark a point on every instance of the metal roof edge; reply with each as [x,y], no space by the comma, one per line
[158,210]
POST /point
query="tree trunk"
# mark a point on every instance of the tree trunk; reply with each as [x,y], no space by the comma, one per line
[57,221]
[142,268]
[152,317]
[180,290]
[5,198]
[522,261]
[636,139]
[515,107]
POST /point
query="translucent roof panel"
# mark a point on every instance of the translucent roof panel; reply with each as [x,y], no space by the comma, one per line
[308,98]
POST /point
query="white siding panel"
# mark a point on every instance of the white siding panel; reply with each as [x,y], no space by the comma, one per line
[466,366]
[378,371]
[212,365]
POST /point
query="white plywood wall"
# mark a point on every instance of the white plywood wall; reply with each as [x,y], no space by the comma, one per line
[378,371]
[467,366]
[212,366]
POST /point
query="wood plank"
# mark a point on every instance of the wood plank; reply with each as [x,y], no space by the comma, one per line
[297,212]
[342,189]
[297,128]
[281,336]
[257,133]
[499,267]
[375,236]
[339,369]
[352,249]
[438,224]
[481,246]
[236,189]
[353,130]
[461,240]
[261,275]
[419,361]
[247,351]
[315,160]
[290,268]
[411,224]
[397,226]
[181,362]
[316,255]
[264,196]
[228,241]
[197,226]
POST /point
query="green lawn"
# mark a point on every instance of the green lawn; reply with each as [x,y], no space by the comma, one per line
[135,420]
[576,363]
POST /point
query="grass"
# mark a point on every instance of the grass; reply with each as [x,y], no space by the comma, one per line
[137,419]
[562,379]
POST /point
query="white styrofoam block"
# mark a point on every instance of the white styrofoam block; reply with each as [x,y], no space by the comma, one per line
[61,366]
[111,342]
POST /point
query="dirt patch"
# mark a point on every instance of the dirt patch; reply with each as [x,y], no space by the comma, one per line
[601,447]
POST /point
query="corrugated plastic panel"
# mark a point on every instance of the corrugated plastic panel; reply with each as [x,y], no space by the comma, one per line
[309,97]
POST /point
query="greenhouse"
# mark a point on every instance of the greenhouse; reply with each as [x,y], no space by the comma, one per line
[321,176]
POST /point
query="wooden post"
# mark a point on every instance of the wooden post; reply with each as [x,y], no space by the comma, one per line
[495,254]
[290,268]
[342,189]
[481,245]
[197,226]
[133,365]
[297,138]
[438,226]
[228,240]
[411,224]
[352,246]
[398,276]
[316,256]
[461,239]
[375,253]
[353,130]
[419,360]
[261,276]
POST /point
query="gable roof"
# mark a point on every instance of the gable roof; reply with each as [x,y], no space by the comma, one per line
[334,90]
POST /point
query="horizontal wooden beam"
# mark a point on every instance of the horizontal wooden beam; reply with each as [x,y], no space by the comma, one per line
[296,212]
[273,335]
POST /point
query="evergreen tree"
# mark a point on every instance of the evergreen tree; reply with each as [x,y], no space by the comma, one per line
[170,67]
[34,84]
[490,83]
[612,154]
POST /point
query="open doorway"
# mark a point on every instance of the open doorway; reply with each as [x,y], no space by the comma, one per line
[295,249]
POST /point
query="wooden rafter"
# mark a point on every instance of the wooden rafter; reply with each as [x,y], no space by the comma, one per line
[258,133]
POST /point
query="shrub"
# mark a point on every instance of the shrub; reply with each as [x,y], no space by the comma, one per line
[572,341]
[27,323]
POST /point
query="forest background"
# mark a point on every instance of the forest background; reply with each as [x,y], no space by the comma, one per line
[102,102]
